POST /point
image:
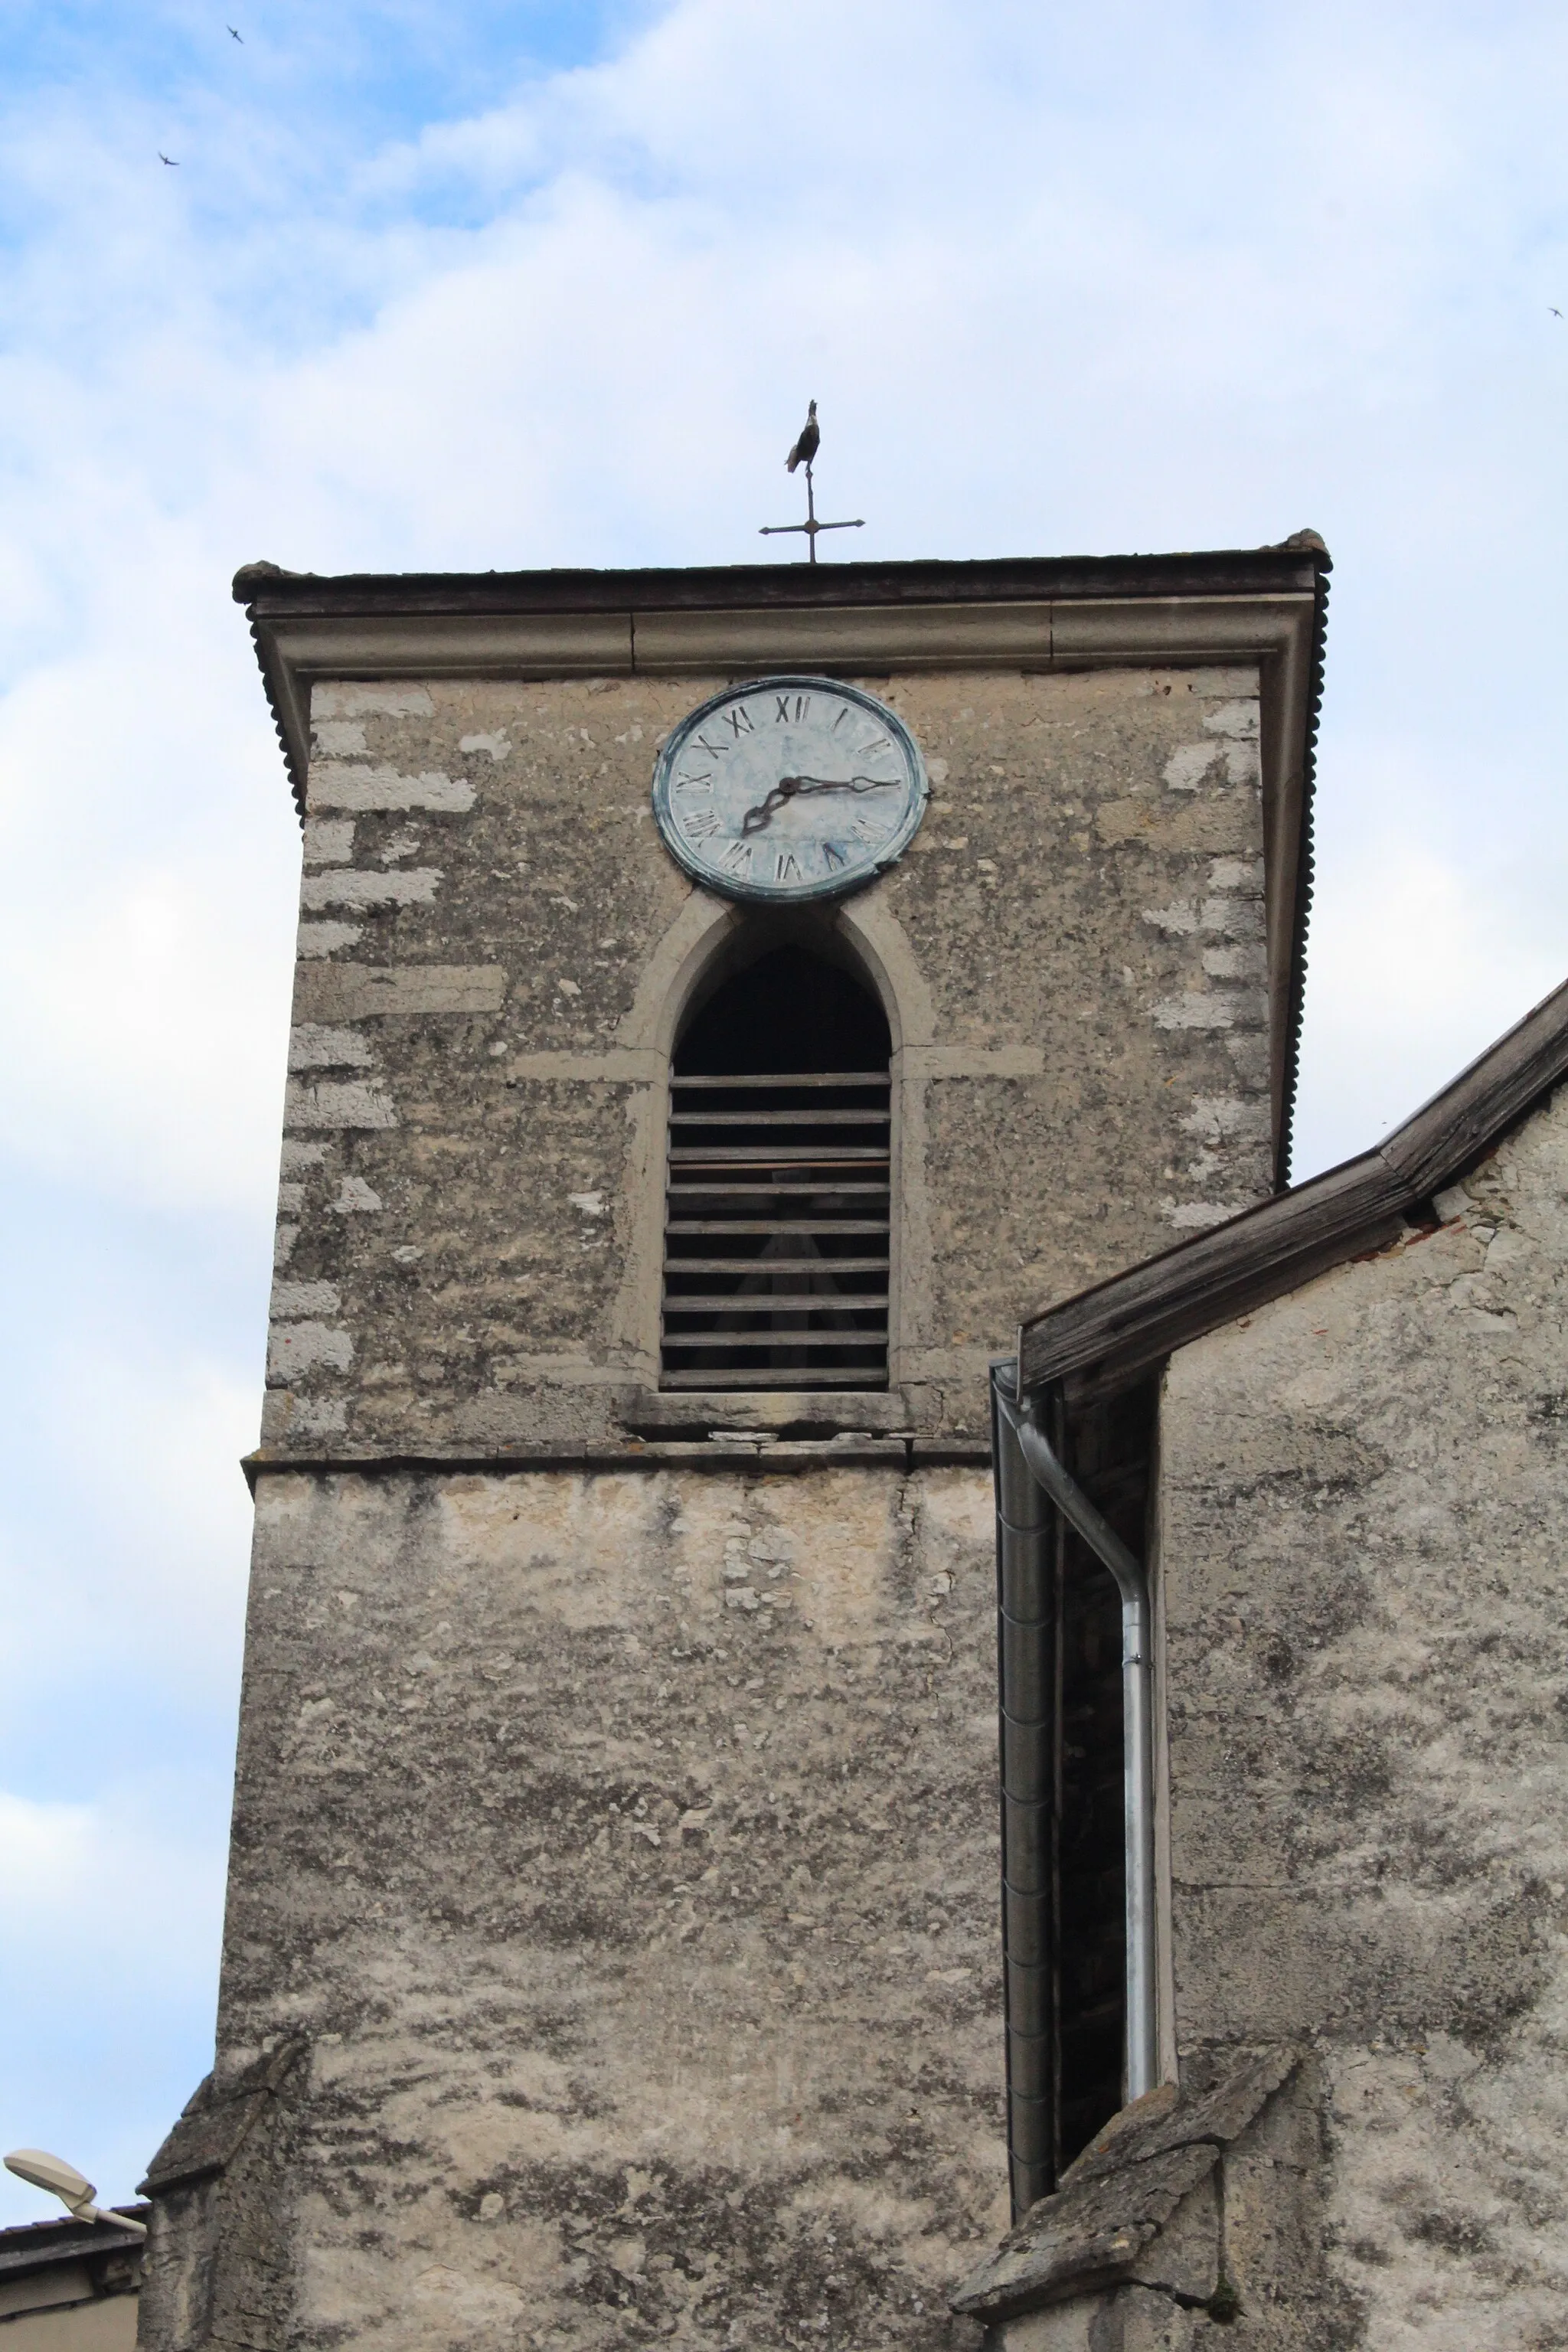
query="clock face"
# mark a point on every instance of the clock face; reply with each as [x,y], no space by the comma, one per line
[789,788]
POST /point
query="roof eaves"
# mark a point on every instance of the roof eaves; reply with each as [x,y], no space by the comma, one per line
[276,684]
[1290,567]
[34,2245]
[1122,1326]
[277,602]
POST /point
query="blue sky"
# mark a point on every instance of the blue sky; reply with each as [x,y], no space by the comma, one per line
[469,286]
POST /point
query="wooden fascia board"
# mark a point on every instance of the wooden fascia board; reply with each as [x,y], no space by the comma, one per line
[1131,1318]
[1447,1134]
[1123,1326]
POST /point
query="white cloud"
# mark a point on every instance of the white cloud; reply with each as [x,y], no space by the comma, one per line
[108,1949]
[139,1573]
[1388,1021]
[145,896]
[126,1870]
[44,1854]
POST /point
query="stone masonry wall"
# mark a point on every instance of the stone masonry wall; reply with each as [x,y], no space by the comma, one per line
[621,1846]
[1366,1588]
[491,935]
[623,1850]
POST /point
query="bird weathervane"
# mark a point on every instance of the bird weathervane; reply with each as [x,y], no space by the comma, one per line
[805,450]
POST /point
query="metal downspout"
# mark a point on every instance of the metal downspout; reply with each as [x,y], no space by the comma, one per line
[1025,1662]
[1030,1451]
[1137,1742]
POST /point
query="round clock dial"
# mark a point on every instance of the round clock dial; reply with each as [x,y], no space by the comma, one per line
[789,788]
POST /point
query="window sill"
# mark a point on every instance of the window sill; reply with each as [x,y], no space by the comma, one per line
[818,1413]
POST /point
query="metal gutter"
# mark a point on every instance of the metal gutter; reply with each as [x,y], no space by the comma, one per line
[1028,1473]
[1137,1740]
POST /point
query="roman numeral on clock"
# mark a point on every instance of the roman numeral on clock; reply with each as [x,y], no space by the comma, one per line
[700,825]
[785,869]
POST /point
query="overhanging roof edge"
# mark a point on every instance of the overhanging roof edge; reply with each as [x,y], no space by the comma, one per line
[277,602]
[1135,1319]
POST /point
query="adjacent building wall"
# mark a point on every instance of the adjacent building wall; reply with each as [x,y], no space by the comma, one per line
[68,2285]
[1366,1588]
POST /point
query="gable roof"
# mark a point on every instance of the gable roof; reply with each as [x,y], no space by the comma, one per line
[1108,1335]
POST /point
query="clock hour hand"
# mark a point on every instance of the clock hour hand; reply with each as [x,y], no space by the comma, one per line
[757,819]
[789,788]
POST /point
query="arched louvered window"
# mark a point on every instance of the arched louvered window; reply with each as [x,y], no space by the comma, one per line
[778,1211]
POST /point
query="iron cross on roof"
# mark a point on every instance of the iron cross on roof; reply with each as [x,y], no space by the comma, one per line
[804,451]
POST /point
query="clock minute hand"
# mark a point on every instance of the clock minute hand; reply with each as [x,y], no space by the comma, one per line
[789,788]
[841,784]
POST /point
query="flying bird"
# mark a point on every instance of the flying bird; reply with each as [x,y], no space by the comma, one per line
[237,37]
[173,161]
[1554,311]
[810,441]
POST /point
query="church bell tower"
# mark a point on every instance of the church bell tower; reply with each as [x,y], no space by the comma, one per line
[726,1000]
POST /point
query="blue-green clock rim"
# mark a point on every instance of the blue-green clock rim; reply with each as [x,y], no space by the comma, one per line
[789,894]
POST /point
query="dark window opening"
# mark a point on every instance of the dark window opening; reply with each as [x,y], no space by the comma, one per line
[1063,1811]
[1107,1452]
[777,1219]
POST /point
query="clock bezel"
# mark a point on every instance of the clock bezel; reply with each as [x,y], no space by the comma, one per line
[790,894]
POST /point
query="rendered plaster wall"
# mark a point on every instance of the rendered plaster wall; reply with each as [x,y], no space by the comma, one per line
[623,1848]
[1365,1590]
[493,949]
[106,2326]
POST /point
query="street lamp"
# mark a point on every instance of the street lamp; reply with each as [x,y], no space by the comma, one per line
[73,2188]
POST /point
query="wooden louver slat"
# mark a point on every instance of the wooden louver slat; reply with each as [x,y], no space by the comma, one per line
[775,1206]
[794,1119]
